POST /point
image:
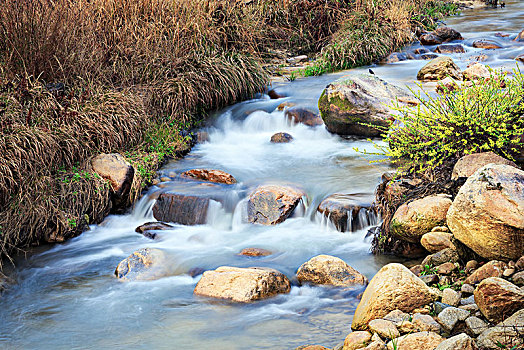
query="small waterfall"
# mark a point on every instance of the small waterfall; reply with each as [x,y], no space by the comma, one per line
[143,209]
[217,216]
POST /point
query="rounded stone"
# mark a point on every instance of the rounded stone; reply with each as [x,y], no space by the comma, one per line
[330,270]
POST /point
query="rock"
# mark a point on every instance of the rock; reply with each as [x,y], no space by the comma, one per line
[345,211]
[441,257]
[416,341]
[502,35]
[120,174]
[450,297]
[520,57]
[397,317]
[195,271]
[518,278]
[312,347]
[146,228]
[467,301]
[486,44]
[469,164]
[471,265]
[393,287]
[475,325]
[420,51]
[446,268]
[447,34]
[376,345]
[353,100]
[507,333]
[449,317]
[304,116]
[440,229]
[272,204]
[255,252]
[325,269]
[508,272]
[242,284]
[297,59]
[452,48]
[181,209]
[487,214]
[417,269]
[428,56]
[498,299]
[414,219]
[420,323]
[467,289]
[143,265]
[476,72]
[520,37]
[493,268]
[274,95]
[430,39]
[396,57]
[439,68]
[357,340]
[386,329]
[436,241]
[459,342]
[285,105]
[519,265]
[438,307]
[281,137]
[429,279]
[217,176]
[471,308]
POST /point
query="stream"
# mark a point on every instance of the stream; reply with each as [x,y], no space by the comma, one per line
[67,297]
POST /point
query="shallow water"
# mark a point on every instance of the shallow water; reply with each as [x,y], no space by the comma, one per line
[68,298]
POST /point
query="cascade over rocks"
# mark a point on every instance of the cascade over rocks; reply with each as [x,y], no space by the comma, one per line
[181,209]
[487,214]
[353,100]
[272,204]
[348,212]
[303,116]
[242,284]
[325,269]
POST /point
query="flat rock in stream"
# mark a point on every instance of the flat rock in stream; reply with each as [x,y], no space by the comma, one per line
[181,208]
[211,175]
[273,204]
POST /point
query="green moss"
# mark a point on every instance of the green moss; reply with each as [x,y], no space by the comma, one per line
[324,106]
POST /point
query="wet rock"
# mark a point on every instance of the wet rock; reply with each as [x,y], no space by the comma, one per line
[487,214]
[255,252]
[450,297]
[416,341]
[507,333]
[475,72]
[396,57]
[520,37]
[520,58]
[281,137]
[272,204]
[441,257]
[285,105]
[348,212]
[451,48]
[421,51]
[120,174]
[143,265]
[146,228]
[325,269]
[304,116]
[351,101]
[195,271]
[502,35]
[393,287]
[439,36]
[430,39]
[357,340]
[469,164]
[493,268]
[439,68]
[181,209]
[242,284]
[498,299]
[428,56]
[486,44]
[217,176]
[436,241]
[385,329]
[274,95]
[475,326]
[414,219]
[458,342]
[518,278]
[449,317]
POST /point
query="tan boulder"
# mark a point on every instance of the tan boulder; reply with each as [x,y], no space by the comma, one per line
[439,68]
[476,71]
[414,219]
[498,299]
[385,329]
[272,204]
[120,174]
[416,341]
[357,340]
[467,165]
[212,175]
[242,284]
[144,265]
[436,241]
[393,287]
[493,268]
[325,269]
[487,214]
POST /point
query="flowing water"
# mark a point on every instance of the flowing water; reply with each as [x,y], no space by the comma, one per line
[66,296]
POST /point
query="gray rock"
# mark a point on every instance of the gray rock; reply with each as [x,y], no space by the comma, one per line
[468,301]
[449,317]
[467,289]
[450,297]
[444,256]
[397,317]
[459,342]
[475,325]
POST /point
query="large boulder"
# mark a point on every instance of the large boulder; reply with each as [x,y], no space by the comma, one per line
[414,219]
[272,204]
[212,175]
[440,68]
[467,165]
[507,333]
[181,209]
[487,214]
[348,212]
[145,264]
[118,172]
[325,269]
[242,284]
[303,116]
[393,287]
[358,104]
[498,299]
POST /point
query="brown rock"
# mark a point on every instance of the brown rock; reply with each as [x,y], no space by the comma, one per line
[487,214]
[312,347]
[281,137]
[120,174]
[144,265]
[430,39]
[498,299]
[393,287]
[446,268]
[255,252]
[417,269]
[436,241]
[414,219]
[285,105]
[274,95]
[428,56]
[475,72]
[502,35]
[386,329]
[153,226]
[450,297]
[357,340]
[508,333]
[272,204]
[486,44]
[519,37]
[441,257]
[217,176]
[469,164]
[325,269]
[448,34]
[439,68]
[450,48]
[518,278]
[471,265]
[181,209]
[493,268]
[343,210]
[242,284]
[519,265]
[520,58]
[416,341]
[304,116]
